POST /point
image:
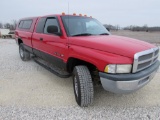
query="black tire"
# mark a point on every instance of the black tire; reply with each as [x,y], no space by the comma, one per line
[25,55]
[83,86]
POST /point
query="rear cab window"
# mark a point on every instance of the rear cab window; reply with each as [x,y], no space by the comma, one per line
[25,24]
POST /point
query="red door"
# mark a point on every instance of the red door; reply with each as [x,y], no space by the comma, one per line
[49,45]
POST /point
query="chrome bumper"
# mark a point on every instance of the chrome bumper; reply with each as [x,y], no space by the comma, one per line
[128,83]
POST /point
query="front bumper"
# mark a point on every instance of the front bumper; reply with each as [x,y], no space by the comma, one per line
[128,83]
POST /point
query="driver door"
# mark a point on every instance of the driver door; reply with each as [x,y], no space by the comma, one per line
[51,46]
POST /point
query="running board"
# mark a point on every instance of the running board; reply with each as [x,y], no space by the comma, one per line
[54,69]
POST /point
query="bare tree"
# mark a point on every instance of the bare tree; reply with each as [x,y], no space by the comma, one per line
[117,27]
[14,23]
[12,27]
[145,28]
[1,25]
[7,25]
[110,27]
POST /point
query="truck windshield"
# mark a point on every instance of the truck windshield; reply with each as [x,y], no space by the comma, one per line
[83,26]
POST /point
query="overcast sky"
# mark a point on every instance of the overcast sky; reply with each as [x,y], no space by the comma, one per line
[121,12]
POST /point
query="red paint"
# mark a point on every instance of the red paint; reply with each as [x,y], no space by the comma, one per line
[98,50]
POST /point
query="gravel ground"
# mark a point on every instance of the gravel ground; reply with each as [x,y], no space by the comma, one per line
[28,91]
[77,113]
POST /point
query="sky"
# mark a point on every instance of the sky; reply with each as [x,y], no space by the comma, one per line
[115,12]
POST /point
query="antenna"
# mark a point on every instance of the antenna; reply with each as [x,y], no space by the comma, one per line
[68,7]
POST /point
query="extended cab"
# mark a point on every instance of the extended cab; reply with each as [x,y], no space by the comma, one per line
[82,47]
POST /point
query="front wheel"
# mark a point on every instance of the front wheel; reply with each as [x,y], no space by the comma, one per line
[83,86]
[25,55]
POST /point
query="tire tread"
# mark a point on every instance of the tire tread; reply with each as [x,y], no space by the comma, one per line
[86,85]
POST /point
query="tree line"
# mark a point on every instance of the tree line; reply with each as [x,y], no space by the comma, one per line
[112,27]
[12,25]
[133,28]
[142,28]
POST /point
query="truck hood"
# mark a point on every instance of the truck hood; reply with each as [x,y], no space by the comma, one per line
[110,43]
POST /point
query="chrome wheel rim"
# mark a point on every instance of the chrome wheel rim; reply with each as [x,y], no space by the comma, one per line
[21,52]
[76,85]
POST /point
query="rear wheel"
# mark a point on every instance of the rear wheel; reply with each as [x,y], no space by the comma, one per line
[25,55]
[83,86]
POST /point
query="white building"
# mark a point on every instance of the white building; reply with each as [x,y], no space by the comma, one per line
[4,33]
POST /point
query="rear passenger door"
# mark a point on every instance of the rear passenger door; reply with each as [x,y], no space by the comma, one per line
[51,47]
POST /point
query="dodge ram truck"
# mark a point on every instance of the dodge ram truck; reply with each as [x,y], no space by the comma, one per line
[80,46]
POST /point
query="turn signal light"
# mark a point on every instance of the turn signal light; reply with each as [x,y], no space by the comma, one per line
[63,13]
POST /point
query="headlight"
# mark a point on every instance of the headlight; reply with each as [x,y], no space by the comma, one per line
[113,68]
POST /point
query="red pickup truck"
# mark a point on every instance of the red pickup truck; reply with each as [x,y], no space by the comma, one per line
[82,47]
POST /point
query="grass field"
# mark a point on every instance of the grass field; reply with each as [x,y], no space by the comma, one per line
[151,37]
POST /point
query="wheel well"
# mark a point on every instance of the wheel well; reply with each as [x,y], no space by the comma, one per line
[19,41]
[72,62]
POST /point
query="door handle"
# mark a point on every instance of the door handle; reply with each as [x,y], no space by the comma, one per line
[41,39]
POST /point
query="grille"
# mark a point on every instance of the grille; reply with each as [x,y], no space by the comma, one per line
[145,59]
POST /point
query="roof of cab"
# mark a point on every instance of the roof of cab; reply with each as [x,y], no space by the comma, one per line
[51,15]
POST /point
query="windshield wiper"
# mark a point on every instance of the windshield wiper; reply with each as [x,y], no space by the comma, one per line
[104,34]
[83,34]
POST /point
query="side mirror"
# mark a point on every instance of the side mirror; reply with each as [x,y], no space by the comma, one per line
[53,30]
